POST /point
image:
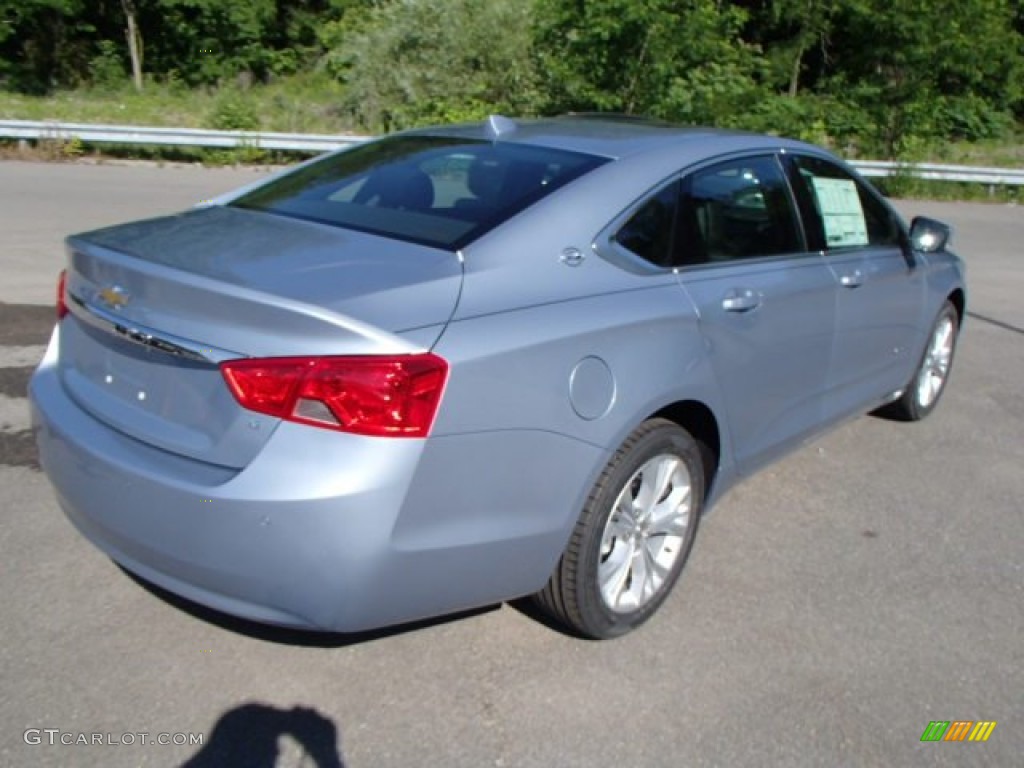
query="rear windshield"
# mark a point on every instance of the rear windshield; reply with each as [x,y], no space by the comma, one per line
[438,191]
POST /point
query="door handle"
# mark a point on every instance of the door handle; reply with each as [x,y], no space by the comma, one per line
[741,300]
[853,279]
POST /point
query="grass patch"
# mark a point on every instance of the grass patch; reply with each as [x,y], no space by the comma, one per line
[1006,153]
[59,150]
[910,188]
[300,104]
[309,103]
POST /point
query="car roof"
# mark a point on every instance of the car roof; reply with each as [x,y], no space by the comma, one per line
[611,136]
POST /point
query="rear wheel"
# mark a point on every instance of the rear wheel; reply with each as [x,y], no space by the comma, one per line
[923,392]
[634,535]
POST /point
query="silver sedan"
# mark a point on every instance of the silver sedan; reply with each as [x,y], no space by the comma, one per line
[462,365]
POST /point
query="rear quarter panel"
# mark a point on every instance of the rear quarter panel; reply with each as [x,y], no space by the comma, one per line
[513,454]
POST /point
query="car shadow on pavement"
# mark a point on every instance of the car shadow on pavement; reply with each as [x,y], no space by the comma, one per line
[250,735]
[288,636]
[528,608]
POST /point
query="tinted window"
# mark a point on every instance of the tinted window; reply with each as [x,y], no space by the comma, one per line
[648,233]
[434,190]
[736,210]
[843,212]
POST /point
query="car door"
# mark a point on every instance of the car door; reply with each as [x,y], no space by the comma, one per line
[880,289]
[766,303]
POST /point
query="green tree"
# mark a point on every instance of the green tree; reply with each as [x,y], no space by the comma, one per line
[677,59]
[794,38]
[946,69]
[879,76]
[205,41]
[43,43]
[410,62]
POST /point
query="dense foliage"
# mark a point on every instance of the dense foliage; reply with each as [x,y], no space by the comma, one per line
[875,76]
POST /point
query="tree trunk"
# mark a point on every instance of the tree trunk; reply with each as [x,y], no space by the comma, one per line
[134,42]
[794,77]
[631,94]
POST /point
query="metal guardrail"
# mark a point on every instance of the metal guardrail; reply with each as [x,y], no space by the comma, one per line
[939,172]
[319,142]
[172,137]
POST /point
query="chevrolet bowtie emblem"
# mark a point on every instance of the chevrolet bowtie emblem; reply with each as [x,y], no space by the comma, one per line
[114,296]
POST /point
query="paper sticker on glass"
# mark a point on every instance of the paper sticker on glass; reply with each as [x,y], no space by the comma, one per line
[841,210]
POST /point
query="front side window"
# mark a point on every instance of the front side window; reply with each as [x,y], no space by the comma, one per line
[841,211]
[434,190]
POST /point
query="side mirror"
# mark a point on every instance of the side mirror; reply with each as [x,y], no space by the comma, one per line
[928,235]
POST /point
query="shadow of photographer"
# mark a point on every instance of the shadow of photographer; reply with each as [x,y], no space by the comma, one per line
[249,735]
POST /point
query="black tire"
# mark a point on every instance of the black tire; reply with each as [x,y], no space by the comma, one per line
[573,595]
[913,404]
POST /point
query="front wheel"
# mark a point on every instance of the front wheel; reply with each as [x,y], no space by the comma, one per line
[923,392]
[633,536]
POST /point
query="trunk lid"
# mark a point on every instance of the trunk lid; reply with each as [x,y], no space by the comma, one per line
[155,305]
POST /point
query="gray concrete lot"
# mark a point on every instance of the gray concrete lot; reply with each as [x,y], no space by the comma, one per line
[43,203]
[834,605]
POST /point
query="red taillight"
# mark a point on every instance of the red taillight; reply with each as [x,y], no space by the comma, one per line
[393,395]
[62,306]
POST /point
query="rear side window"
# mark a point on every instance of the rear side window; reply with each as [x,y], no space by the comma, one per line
[840,210]
[739,209]
[438,191]
[649,232]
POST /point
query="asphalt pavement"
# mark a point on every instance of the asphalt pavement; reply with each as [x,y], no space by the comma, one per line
[835,604]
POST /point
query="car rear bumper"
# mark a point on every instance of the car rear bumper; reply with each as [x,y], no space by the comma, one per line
[322,530]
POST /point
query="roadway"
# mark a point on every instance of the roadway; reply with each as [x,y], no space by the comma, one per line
[834,605]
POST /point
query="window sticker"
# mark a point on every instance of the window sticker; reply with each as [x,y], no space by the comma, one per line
[841,211]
